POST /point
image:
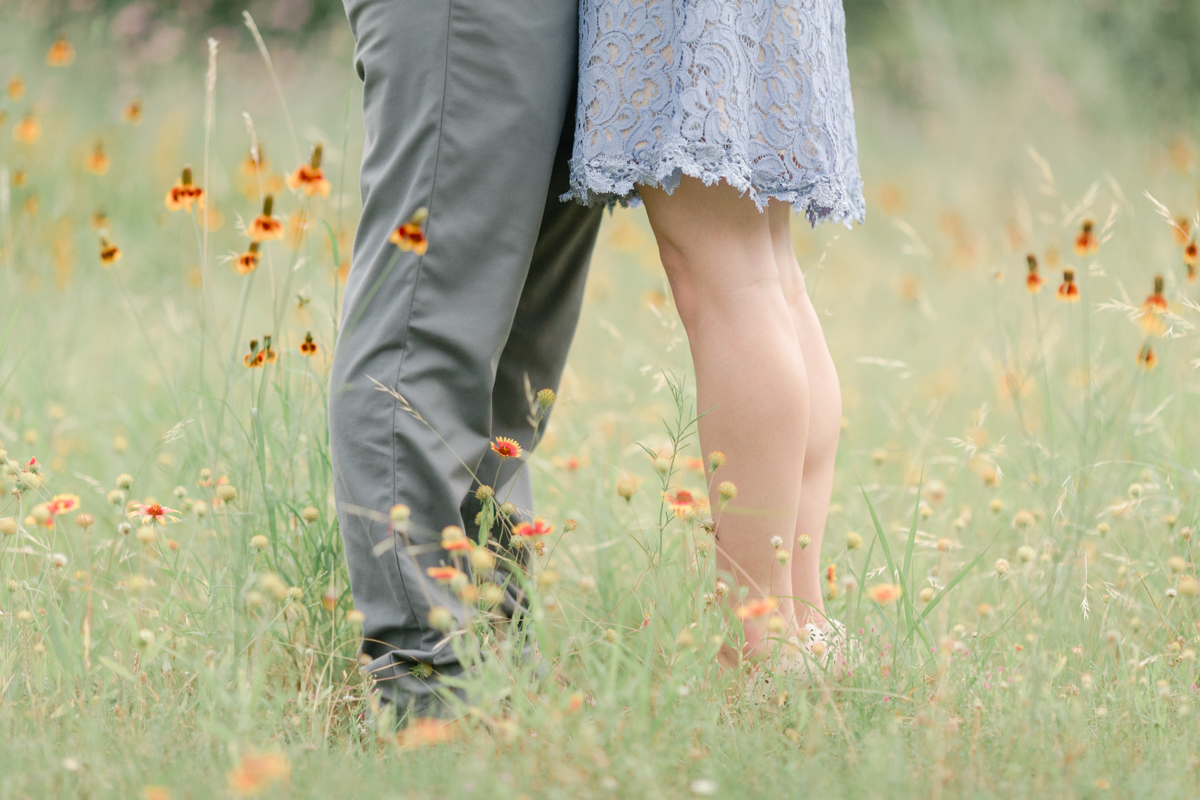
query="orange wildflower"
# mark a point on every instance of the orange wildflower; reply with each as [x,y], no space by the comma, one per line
[1156,301]
[1147,359]
[427,731]
[268,355]
[831,573]
[1190,253]
[411,235]
[97,161]
[759,607]
[265,226]
[308,178]
[61,53]
[255,773]
[27,131]
[132,113]
[308,347]
[247,262]
[453,539]
[254,358]
[109,252]
[1182,230]
[16,87]
[1086,242]
[681,502]
[506,448]
[1033,281]
[99,219]
[155,793]
[255,162]
[62,504]
[443,574]
[184,194]
[884,593]
[1153,309]
[539,527]
[1068,292]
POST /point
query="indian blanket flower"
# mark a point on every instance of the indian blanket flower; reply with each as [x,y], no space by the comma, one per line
[16,87]
[443,574]
[506,448]
[410,236]
[1146,358]
[884,593]
[759,607]
[1033,281]
[264,226]
[254,774]
[308,179]
[27,131]
[153,514]
[1086,242]
[62,504]
[109,252]
[539,527]
[97,161]
[454,539]
[1068,292]
[184,194]
[247,262]
[681,502]
[61,53]
[308,347]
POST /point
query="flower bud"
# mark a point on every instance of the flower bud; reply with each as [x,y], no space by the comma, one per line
[227,493]
[124,481]
[310,514]
[259,542]
[8,526]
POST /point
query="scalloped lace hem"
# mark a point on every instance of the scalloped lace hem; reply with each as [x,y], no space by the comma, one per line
[613,181]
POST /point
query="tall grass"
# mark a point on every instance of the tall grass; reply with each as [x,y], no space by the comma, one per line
[1007,463]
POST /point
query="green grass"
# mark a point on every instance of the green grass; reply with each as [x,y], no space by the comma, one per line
[982,423]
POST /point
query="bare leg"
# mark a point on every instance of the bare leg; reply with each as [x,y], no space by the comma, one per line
[824,421]
[751,385]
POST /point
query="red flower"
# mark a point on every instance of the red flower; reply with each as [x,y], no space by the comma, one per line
[757,608]
[1033,281]
[154,514]
[308,178]
[265,226]
[1068,292]
[308,347]
[62,504]
[411,235]
[184,193]
[538,527]
[443,574]
[506,448]
[1086,242]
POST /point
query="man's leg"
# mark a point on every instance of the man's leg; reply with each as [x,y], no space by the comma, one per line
[464,103]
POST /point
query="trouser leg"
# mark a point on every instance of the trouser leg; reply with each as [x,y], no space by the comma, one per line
[464,104]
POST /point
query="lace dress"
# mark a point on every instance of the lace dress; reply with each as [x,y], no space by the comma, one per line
[752,92]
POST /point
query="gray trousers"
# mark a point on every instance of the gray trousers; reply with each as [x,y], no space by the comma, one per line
[469,112]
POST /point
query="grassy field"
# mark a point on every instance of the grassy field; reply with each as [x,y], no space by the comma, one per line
[1019,466]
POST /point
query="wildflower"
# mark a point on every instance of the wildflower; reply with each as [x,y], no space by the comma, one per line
[61,53]
[8,526]
[308,347]
[726,491]
[453,538]
[884,593]
[410,235]
[1001,566]
[109,252]
[400,514]
[1068,292]
[831,574]
[443,574]
[1086,242]
[716,460]
[62,504]
[1176,564]
[441,619]
[259,542]
[782,556]
[804,540]
[247,262]
[506,448]
[1147,358]
[27,131]
[1189,586]
[627,487]
[1022,520]
[926,594]
[255,773]
[310,514]
[721,588]
[546,398]
[97,161]
[538,527]
[226,493]
[273,585]
[759,607]
[983,609]
[153,514]
[146,535]
[132,113]
[184,194]
[1033,281]
[427,731]
[934,491]
[1026,553]
[853,541]
[996,505]
[308,178]
[16,87]
[265,227]
[570,525]
[681,502]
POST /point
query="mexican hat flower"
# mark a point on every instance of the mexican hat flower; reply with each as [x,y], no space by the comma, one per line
[308,347]
[1086,242]
[308,179]
[265,227]
[1068,292]
[1033,281]
[247,262]
[109,252]
[410,236]
[61,53]
[1154,308]
[97,161]
[184,194]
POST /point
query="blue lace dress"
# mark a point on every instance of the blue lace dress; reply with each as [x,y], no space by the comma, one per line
[752,92]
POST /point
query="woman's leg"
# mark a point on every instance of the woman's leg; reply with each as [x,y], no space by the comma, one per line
[824,420]
[751,386]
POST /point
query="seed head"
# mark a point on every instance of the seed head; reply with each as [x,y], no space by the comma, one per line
[1026,553]
[1176,564]
[259,542]
[1022,520]
[441,619]
[1001,566]
[85,521]
[716,460]
[1185,534]
[782,556]
[310,514]
[727,490]
[124,481]
[776,542]
[116,498]
[570,525]
[255,599]
[227,493]
[482,559]
[626,488]
[996,505]
[587,584]
[610,636]
[273,585]
[492,594]
[546,398]
[853,541]
[8,526]
[944,545]
[721,588]
[804,540]
[508,509]
[1189,586]
[355,617]
[25,615]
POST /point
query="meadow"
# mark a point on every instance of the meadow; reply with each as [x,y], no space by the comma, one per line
[1010,538]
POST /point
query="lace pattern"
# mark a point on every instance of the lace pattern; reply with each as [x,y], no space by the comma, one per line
[752,92]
